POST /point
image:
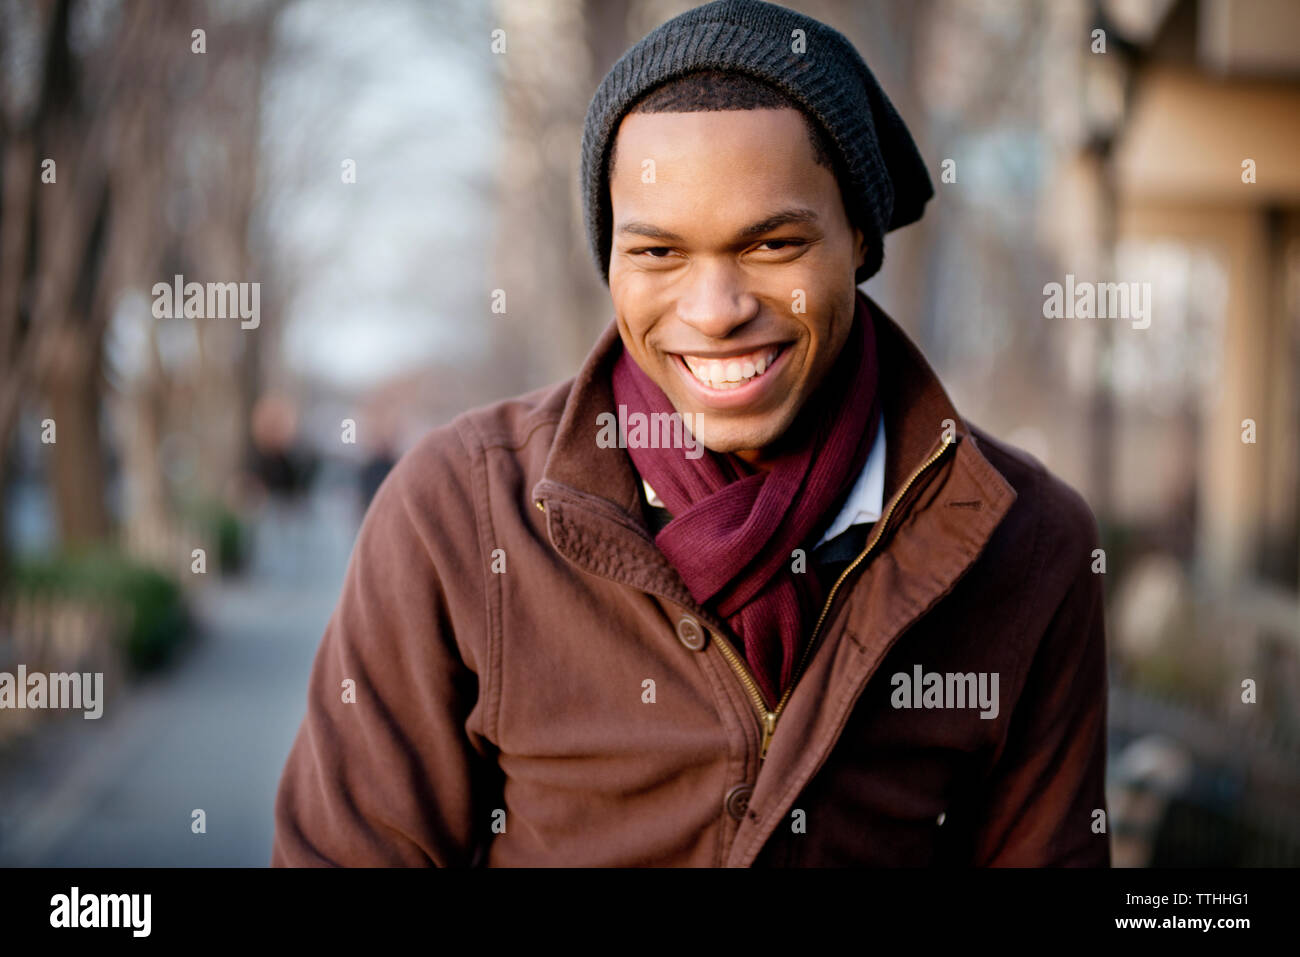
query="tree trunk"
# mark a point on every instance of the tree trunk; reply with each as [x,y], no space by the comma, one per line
[77,467]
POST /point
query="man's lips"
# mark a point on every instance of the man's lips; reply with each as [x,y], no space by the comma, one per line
[731,380]
[727,370]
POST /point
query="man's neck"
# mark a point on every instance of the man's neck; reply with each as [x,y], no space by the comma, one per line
[755,459]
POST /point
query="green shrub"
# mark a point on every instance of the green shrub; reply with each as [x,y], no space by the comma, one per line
[224,529]
[156,619]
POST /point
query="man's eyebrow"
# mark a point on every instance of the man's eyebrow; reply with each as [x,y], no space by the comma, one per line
[784,217]
[648,230]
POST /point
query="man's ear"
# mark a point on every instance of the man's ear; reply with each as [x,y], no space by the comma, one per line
[860,248]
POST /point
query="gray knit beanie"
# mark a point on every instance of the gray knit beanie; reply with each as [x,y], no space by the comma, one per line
[888,185]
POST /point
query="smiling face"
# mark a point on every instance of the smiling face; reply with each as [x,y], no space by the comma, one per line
[732,273]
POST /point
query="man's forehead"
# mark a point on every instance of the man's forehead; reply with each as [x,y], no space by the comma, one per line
[733,168]
[751,228]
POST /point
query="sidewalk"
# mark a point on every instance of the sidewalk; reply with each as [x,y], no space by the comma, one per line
[212,732]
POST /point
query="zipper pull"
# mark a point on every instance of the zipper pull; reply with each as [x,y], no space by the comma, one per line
[769,726]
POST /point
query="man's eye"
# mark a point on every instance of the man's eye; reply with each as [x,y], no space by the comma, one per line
[662,252]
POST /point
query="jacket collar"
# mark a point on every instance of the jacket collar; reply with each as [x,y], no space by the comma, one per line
[591,495]
[576,461]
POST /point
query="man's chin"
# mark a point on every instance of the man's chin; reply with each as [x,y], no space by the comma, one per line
[724,440]
[727,432]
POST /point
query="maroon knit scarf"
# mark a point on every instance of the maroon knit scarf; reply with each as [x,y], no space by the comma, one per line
[734,528]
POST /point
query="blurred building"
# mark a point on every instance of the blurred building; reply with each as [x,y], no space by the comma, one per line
[1186,179]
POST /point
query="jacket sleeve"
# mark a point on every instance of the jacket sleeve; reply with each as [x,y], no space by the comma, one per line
[383,771]
[1039,807]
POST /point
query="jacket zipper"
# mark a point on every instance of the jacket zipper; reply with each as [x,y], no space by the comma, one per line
[767,716]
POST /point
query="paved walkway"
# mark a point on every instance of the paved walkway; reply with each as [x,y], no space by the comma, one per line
[211,732]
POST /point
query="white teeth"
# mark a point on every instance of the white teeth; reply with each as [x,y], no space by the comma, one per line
[732,372]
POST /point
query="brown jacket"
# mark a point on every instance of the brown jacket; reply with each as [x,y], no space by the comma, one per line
[505,612]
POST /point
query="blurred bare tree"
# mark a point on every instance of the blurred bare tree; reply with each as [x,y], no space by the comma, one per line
[127,139]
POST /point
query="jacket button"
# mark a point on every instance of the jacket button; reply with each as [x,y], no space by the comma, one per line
[690,633]
[737,801]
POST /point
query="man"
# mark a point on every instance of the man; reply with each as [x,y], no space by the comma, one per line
[747,590]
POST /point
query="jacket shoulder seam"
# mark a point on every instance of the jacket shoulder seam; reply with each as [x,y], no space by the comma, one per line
[472,440]
[515,442]
[494,431]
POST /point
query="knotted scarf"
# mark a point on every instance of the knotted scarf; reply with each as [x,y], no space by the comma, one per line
[734,529]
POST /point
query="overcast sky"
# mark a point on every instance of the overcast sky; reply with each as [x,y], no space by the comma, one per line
[389,272]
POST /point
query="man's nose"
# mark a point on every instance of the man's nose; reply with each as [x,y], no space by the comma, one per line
[715,301]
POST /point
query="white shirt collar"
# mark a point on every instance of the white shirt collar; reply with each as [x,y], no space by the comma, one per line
[865,500]
[651,497]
